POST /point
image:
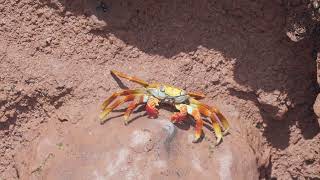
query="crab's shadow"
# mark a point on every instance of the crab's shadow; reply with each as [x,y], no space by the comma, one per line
[184,125]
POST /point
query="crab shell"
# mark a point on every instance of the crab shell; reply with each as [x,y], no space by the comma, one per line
[168,94]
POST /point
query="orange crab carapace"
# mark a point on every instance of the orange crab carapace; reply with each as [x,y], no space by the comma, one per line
[152,95]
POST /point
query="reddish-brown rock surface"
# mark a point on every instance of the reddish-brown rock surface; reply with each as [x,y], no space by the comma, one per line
[55,59]
[145,149]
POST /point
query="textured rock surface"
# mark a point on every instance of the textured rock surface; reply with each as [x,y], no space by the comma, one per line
[145,149]
[56,55]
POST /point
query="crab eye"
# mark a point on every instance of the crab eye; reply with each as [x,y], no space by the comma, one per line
[162,89]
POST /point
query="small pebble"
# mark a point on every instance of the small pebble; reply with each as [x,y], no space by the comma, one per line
[48,41]
[89,38]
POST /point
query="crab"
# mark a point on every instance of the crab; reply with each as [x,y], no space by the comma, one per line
[154,94]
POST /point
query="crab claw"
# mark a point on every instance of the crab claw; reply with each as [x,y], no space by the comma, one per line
[151,109]
[199,125]
[216,124]
[178,117]
[217,131]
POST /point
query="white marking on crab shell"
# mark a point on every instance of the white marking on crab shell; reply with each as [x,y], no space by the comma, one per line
[160,95]
[180,99]
[189,109]
[145,98]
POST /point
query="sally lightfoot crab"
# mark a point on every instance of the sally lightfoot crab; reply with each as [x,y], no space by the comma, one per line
[152,95]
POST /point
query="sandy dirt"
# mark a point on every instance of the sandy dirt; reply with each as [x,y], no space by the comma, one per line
[56,57]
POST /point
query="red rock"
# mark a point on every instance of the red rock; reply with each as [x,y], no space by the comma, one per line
[144,149]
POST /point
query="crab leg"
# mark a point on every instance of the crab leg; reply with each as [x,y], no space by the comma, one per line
[215,116]
[121,93]
[197,95]
[130,78]
[180,116]
[214,121]
[132,106]
[199,124]
[218,115]
[107,110]
[151,109]
[194,112]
